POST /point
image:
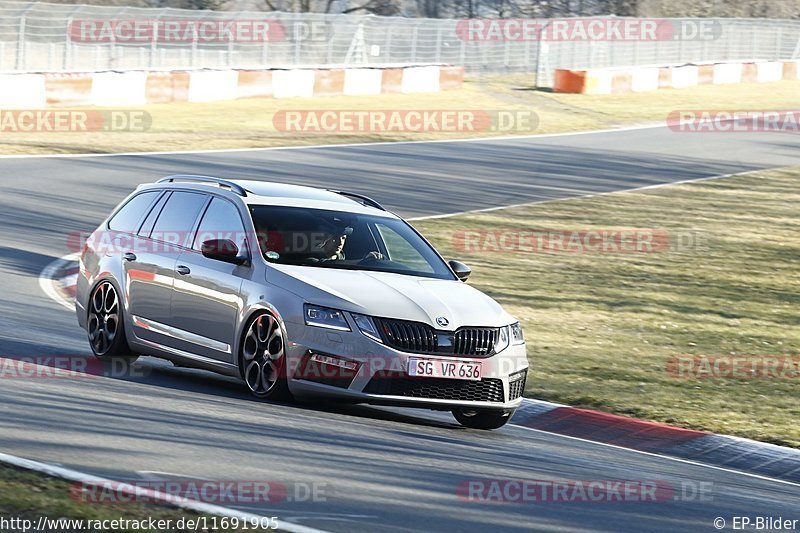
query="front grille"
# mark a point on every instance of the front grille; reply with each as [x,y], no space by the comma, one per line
[516,388]
[412,337]
[416,337]
[397,384]
[474,341]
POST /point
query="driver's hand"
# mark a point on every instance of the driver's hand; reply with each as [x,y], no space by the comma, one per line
[373,256]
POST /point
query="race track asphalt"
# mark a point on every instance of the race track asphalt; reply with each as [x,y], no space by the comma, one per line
[382,469]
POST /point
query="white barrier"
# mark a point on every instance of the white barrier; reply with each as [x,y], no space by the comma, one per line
[421,80]
[645,79]
[293,83]
[599,82]
[211,85]
[119,88]
[769,71]
[725,73]
[685,76]
[362,81]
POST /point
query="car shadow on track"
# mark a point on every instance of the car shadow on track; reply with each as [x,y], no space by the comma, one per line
[153,372]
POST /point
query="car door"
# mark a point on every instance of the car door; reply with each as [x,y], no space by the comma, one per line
[149,269]
[206,299]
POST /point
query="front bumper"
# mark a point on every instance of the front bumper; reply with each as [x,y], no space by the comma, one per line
[377,374]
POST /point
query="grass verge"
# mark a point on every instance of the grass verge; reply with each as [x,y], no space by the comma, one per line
[27,495]
[248,123]
[601,328]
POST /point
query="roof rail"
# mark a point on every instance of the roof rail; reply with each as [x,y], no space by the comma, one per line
[188,178]
[364,200]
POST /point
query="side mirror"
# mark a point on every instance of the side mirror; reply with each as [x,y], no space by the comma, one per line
[461,270]
[222,250]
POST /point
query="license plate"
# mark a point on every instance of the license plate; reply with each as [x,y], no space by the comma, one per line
[434,368]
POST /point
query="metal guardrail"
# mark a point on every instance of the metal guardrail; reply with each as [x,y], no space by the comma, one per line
[37,37]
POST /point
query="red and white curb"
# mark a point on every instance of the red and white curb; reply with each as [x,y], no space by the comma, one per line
[723,451]
[735,454]
[149,495]
[59,278]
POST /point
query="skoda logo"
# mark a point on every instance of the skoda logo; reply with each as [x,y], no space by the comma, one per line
[442,321]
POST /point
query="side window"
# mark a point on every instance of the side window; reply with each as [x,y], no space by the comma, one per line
[401,251]
[176,221]
[150,220]
[221,221]
[128,218]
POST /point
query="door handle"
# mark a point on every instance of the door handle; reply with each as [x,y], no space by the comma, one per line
[129,256]
[182,270]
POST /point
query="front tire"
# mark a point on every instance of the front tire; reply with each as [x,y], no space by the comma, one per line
[106,325]
[262,359]
[482,419]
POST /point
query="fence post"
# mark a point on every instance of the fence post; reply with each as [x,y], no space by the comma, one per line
[463,52]
[542,31]
[297,43]
[230,49]
[154,41]
[438,41]
[67,59]
[506,53]
[387,45]
[112,47]
[754,54]
[527,53]
[20,63]
[414,36]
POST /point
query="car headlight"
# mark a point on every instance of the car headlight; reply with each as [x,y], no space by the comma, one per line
[516,334]
[367,326]
[503,340]
[325,317]
[509,335]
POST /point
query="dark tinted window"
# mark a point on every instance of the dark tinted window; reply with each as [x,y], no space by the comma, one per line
[221,221]
[176,221]
[149,222]
[128,218]
[343,240]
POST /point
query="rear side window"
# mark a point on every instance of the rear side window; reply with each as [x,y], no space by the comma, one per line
[128,218]
[150,221]
[176,221]
[221,221]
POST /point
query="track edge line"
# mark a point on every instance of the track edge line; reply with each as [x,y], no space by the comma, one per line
[160,497]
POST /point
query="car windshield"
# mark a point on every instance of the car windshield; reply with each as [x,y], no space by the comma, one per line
[342,240]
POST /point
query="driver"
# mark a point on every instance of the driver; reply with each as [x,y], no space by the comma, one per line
[333,244]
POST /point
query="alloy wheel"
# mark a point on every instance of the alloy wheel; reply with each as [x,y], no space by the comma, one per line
[104,322]
[263,353]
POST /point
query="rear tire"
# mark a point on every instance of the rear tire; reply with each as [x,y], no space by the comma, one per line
[262,359]
[106,325]
[482,419]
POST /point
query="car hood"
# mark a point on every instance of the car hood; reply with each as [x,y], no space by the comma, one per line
[389,295]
